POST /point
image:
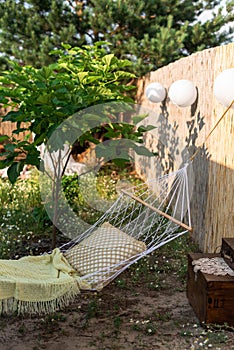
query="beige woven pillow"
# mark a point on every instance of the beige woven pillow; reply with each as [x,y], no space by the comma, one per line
[105,247]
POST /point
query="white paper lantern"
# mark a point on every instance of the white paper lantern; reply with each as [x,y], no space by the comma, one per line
[224,87]
[183,93]
[155,92]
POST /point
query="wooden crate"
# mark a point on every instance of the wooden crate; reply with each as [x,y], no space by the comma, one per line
[211,296]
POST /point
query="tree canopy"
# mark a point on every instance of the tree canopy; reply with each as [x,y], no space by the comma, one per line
[39,101]
[70,101]
[150,33]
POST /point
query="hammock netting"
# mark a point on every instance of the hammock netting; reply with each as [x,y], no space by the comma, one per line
[143,218]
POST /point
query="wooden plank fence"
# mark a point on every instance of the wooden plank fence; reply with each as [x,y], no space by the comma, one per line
[6,128]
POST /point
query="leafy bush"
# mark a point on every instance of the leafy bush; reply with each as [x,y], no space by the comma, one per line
[40,100]
[44,98]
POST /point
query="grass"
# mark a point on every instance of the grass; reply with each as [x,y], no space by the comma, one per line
[24,224]
[22,196]
[152,270]
[103,186]
[19,226]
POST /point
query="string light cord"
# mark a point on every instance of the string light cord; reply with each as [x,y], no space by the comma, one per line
[211,131]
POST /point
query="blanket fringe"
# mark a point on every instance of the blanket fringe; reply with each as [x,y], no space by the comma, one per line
[11,305]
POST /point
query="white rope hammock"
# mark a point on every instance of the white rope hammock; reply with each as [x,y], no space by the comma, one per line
[142,219]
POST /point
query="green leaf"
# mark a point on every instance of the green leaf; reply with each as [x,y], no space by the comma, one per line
[10,147]
[14,171]
[91,78]
[3,100]
[114,149]
[44,99]
[143,128]
[12,116]
[143,151]
[101,43]
[108,58]
[66,46]
[90,138]
[123,74]
[40,85]
[40,138]
[2,164]
[112,134]
[33,159]
[3,138]
[46,72]
[63,65]
[91,117]
[56,52]
[62,90]
[138,118]
[82,76]
[19,130]
[121,163]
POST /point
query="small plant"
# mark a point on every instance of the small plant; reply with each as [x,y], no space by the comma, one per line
[22,329]
[92,310]
[208,337]
[18,227]
[151,328]
[146,271]
[117,322]
[40,216]
[57,317]
[164,317]
[147,326]
[121,283]
[24,195]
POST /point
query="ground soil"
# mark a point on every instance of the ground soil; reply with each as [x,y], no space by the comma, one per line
[124,315]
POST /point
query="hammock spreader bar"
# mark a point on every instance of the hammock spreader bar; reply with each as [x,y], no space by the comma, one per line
[167,216]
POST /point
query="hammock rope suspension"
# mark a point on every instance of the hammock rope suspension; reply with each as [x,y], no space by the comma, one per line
[145,216]
[142,219]
[212,130]
[154,213]
[167,216]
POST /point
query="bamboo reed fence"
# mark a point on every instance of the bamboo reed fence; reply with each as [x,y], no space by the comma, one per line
[184,129]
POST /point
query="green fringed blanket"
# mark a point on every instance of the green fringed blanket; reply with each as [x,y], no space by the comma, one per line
[38,284]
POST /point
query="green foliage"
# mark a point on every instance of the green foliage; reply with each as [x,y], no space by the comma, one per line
[40,102]
[24,195]
[18,227]
[72,191]
[151,33]
[44,98]
[106,186]
[24,223]
[170,259]
[39,26]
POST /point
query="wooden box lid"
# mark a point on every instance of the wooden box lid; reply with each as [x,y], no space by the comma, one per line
[210,279]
